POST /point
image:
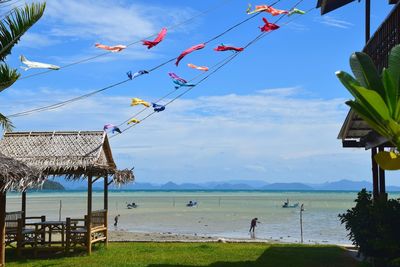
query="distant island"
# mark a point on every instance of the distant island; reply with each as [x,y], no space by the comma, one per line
[52,185]
[238,185]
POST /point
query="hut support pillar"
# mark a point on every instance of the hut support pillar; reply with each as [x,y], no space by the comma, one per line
[23,207]
[106,208]
[382,183]
[375,174]
[2,228]
[89,216]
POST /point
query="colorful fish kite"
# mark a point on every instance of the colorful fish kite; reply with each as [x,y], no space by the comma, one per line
[159,38]
[114,49]
[112,127]
[136,74]
[176,77]
[157,107]
[188,51]
[223,47]
[296,11]
[138,101]
[133,120]
[266,8]
[36,65]
[268,26]
[179,81]
[203,68]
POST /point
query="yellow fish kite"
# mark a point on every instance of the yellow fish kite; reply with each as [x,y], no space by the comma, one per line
[135,121]
[138,101]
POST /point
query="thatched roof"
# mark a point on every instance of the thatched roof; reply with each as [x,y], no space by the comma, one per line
[73,154]
[15,175]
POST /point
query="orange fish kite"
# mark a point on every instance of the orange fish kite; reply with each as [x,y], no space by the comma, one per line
[114,49]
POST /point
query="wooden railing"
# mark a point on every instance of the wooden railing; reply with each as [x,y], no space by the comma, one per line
[384,39]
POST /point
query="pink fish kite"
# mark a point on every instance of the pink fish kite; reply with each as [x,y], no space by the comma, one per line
[188,51]
[114,49]
[268,26]
[190,65]
[268,9]
[176,77]
[227,47]
[159,38]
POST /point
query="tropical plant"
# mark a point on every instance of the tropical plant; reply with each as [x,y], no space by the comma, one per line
[373,227]
[377,96]
[12,28]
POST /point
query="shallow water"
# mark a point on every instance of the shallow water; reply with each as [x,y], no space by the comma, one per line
[222,214]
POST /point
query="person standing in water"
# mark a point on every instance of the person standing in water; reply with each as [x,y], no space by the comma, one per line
[116,220]
[253,225]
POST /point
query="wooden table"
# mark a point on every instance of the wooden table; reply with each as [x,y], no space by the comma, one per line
[45,230]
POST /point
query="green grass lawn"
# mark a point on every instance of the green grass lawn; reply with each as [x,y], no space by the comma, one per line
[198,254]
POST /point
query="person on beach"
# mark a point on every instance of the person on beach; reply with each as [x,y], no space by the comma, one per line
[253,225]
[116,220]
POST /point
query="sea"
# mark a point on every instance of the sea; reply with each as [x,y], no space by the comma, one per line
[225,214]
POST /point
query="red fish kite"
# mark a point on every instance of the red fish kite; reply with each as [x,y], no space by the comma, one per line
[114,49]
[268,26]
[156,41]
[188,51]
[227,47]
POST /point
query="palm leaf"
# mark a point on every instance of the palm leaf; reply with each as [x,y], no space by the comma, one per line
[7,76]
[394,67]
[366,73]
[16,24]
[5,123]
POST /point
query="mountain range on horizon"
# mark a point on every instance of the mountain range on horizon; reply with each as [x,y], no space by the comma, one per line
[244,185]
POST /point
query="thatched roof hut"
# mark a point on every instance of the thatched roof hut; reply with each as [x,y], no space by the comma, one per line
[73,154]
[15,175]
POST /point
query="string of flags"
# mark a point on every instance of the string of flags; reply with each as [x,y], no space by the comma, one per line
[178,81]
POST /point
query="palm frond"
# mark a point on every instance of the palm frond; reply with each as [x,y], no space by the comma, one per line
[5,123]
[14,25]
[7,76]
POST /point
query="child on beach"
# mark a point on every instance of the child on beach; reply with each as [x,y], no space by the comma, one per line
[116,220]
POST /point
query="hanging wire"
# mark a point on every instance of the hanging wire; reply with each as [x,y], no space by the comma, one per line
[222,64]
[66,102]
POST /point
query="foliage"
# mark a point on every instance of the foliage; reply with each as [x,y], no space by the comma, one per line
[377,96]
[374,226]
[12,28]
[200,254]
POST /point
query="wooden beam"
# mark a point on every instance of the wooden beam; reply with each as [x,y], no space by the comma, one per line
[89,216]
[367,20]
[382,186]
[2,228]
[375,178]
[23,207]
[106,192]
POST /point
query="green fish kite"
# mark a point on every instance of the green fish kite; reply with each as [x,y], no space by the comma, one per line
[296,11]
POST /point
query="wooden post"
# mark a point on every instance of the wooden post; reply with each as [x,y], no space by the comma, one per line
[23,208]
[301,222]
[375,174]
[106,192]
[89,216]
[367,20]
[2,228]
[106,209]
[59,210]
[382,186]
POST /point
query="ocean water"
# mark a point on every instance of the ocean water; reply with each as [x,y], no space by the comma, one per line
[222,214]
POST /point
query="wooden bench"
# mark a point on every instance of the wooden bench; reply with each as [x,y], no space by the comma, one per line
[87,231]
[20,230]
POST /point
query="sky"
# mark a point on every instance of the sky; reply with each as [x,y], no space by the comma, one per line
[271,114]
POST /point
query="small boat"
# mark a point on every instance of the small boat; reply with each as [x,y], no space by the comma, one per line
[131,206]
[286,204]
[191,204]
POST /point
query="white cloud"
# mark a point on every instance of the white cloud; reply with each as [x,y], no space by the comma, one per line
[109,22]
[333,22]
[36,40]
[272,135]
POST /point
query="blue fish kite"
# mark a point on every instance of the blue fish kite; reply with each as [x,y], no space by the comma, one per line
[179,81]
[157,107]
[136,74]
[112,127]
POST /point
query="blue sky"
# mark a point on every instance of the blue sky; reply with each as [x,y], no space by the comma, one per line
[272,114]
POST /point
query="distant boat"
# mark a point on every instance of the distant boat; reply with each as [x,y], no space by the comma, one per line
[131,206]
[286,204]
[191,204]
